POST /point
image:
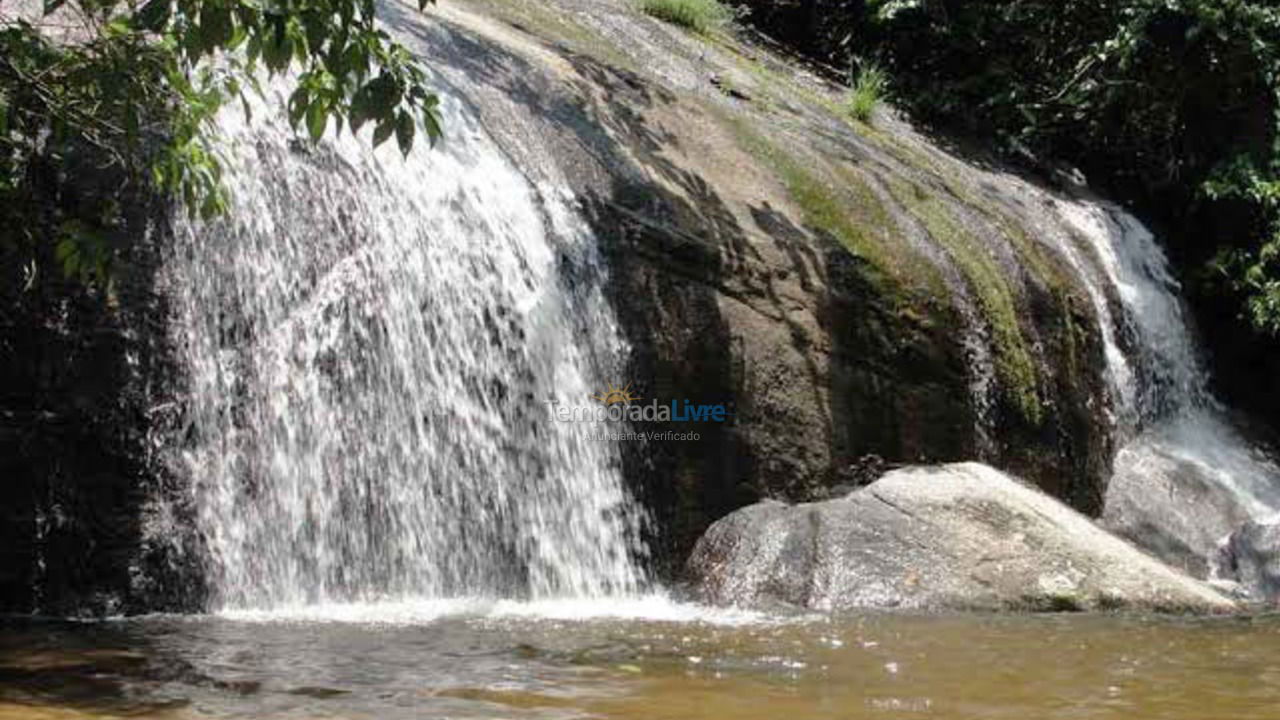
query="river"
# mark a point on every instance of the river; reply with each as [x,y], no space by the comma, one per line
[554,660]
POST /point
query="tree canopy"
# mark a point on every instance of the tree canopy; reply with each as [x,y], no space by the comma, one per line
[132,89]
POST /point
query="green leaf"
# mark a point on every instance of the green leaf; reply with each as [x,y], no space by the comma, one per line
[317,119]
[277,47]
[117,27]
[382,94]
[65,248]
[356,61]
[298,39]
[404,132]
[215,25]
[51,6]
[357,115]
[299,101]
[383,131]
[315,24]
[68,251]
[431,121]
[238,35]
[153,16]
[131,124]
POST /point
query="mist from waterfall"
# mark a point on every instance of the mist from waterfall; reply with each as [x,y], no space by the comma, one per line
[369,343]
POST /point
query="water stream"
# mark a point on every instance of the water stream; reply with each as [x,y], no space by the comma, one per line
[1183,477]
[512,666]
[369,343]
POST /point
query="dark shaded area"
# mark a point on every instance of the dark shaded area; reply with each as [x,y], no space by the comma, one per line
[897,384]
[1068,454]
[80,373]
[669,257]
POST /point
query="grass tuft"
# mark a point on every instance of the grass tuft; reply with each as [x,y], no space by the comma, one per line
[700,16]
[867,93]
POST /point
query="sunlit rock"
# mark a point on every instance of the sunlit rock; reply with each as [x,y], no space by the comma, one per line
[960,536]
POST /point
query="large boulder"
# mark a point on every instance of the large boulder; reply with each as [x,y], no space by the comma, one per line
[1251,558]
[962,536]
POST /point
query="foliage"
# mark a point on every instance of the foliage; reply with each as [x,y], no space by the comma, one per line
[129,91]
[1164,103]
[701,16]
[1253,273]
[867,91]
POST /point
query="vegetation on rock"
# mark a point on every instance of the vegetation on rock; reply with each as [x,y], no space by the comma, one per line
[1171,106]
[866,94]
[700,16]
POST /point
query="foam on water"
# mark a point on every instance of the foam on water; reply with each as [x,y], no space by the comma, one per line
[651,607]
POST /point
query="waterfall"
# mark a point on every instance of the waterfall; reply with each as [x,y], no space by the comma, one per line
[368,344]
[1182,478]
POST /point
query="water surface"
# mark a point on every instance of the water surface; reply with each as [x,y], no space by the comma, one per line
[548,661]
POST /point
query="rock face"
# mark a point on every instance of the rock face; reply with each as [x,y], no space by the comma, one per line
[961,536]
[849,290]
[82,380]
[1251,558]
[1167,505]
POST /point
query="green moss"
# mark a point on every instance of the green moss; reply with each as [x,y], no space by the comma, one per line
[556,28]
[823,210]
[1015,366]
[700,16]
[848,210]
[1033,256]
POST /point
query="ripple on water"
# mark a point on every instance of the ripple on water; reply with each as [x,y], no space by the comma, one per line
[544,661]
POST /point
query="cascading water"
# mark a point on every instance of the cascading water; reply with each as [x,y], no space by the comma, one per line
[369,343]
[1183,478]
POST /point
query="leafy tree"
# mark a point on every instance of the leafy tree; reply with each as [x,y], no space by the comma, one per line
[130,90]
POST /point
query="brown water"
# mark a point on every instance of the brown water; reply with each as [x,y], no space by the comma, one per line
[874,666]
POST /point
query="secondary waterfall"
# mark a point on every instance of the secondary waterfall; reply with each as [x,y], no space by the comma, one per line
[1183,478]
[369,343]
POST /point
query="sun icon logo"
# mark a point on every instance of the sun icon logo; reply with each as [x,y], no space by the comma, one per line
[616,395]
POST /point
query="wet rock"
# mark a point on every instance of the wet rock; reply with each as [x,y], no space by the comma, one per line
[1251,558]
[84,377]
[1172,511]
[1180,491]
[961,536]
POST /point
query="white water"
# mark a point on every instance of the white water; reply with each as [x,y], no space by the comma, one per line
[1180,466]
[652,607]
[369,342]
